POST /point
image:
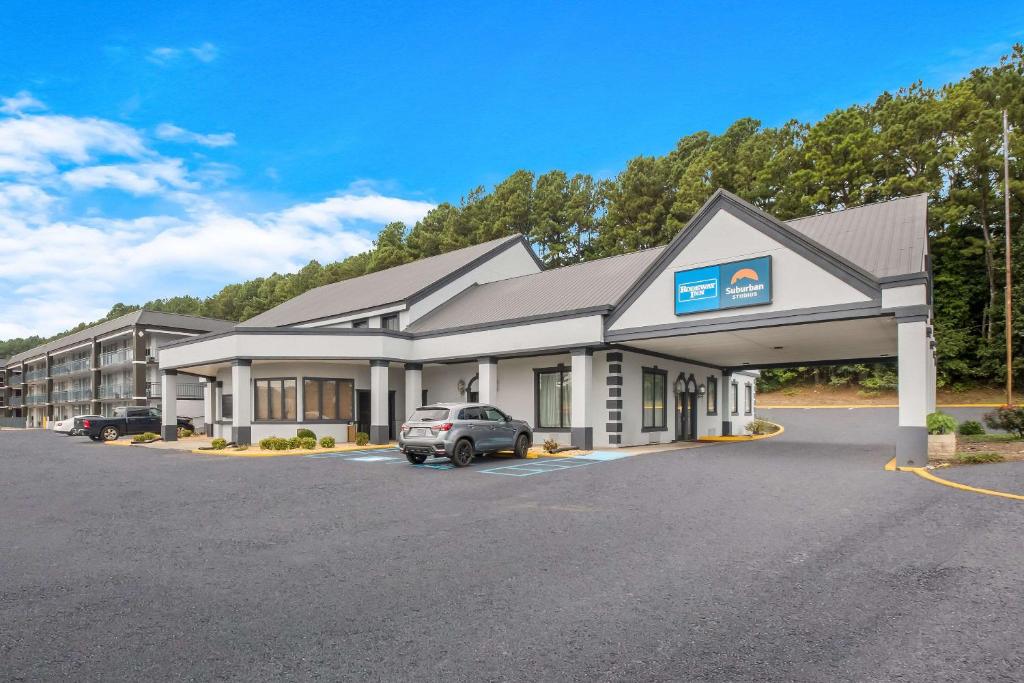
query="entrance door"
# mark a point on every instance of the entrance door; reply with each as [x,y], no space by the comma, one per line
[363,411]
[686,416]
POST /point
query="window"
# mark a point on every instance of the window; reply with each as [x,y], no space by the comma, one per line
[389,322]
[493,414]
[423,398]
[734,399]
[712,396]
[470,414]
[554,398]
[654,399]
[361,323]
[226,407]
[275,400]
[748,399]
[327,399]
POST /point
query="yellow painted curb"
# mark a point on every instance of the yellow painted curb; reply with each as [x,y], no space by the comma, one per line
[924,473]
[743,437]
[117,443]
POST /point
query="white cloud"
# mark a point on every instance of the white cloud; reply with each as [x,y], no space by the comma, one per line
[67,253]
[21,102]
[164,56]
[168,131]
[136,178]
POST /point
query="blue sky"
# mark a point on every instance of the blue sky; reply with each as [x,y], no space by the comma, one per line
[186,145]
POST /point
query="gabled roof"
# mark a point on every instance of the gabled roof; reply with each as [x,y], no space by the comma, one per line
[886,238]
[191,323]
[592,286]
[385,287]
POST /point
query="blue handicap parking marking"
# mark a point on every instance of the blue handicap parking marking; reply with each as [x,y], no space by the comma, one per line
[602,456]
[352,454]
[372,458]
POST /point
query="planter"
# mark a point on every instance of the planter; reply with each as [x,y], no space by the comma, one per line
[941,445]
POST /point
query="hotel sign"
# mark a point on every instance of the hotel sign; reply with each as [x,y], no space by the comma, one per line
[727,285]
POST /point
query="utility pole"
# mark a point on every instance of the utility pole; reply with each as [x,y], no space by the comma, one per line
[1009,276]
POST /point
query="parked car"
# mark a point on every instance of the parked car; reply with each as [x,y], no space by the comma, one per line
[460,431]
[127,420]
[67,425]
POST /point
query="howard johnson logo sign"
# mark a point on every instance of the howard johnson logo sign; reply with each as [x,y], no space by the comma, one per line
[727,285]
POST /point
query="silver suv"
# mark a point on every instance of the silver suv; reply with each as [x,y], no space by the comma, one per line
[460,431]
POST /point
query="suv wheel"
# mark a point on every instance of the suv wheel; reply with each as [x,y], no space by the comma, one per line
[522,446]
[416,458]
[109,434]
[463,453]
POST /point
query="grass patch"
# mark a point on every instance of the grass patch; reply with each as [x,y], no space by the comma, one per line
[990,438]
[978,458]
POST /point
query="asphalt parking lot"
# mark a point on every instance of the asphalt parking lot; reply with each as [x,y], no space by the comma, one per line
[794,558]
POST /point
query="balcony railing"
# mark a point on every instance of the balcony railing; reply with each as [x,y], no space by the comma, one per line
[72,395]
[118,357]
[16,402]
[35,399]
[185,390]
[115,391]
[33,375]
[77,365]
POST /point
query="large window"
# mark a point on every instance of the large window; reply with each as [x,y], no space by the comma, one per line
[654,399]
[226,407]
[748,399]
[734,398]
[712,396]
[554,398]
[327,399]
[389,322]
[275,400]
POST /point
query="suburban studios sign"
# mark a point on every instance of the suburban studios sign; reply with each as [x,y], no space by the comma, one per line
[727,285]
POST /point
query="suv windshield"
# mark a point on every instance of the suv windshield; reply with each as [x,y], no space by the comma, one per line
[430,414]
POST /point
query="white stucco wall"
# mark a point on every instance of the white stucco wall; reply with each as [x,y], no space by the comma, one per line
[796,282]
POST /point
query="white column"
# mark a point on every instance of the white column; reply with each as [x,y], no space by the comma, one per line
[209,389]
[725,402]
[487,380]
[241,396]
[169,403]
[413,387]
[582,388]
[915,356]
[379,433]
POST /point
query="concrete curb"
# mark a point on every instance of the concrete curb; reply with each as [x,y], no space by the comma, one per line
[926,474]
[739,438]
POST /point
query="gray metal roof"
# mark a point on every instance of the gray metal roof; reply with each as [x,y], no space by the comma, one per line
[374,290]
[885,239]
[589,285]
[191,323]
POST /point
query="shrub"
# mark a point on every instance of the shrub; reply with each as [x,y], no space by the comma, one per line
[362,438]
[759,426]
[275,443]
[307,442]
[186,432]
[970,428]
[304,433]
[295,442]
[550,445]
[327,442]
[1008,419]
[145,437]
[940,423]
[218,444]
[979,458]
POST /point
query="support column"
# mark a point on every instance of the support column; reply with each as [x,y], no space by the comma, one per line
[241,392]
[582,388]
[94,365]
[209,387]
[487,380]
[140,371]
[726,394]
[169,407]
[379,402]
[914,358]
[413,387]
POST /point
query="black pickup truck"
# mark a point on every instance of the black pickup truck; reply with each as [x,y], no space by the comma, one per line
[126,420]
